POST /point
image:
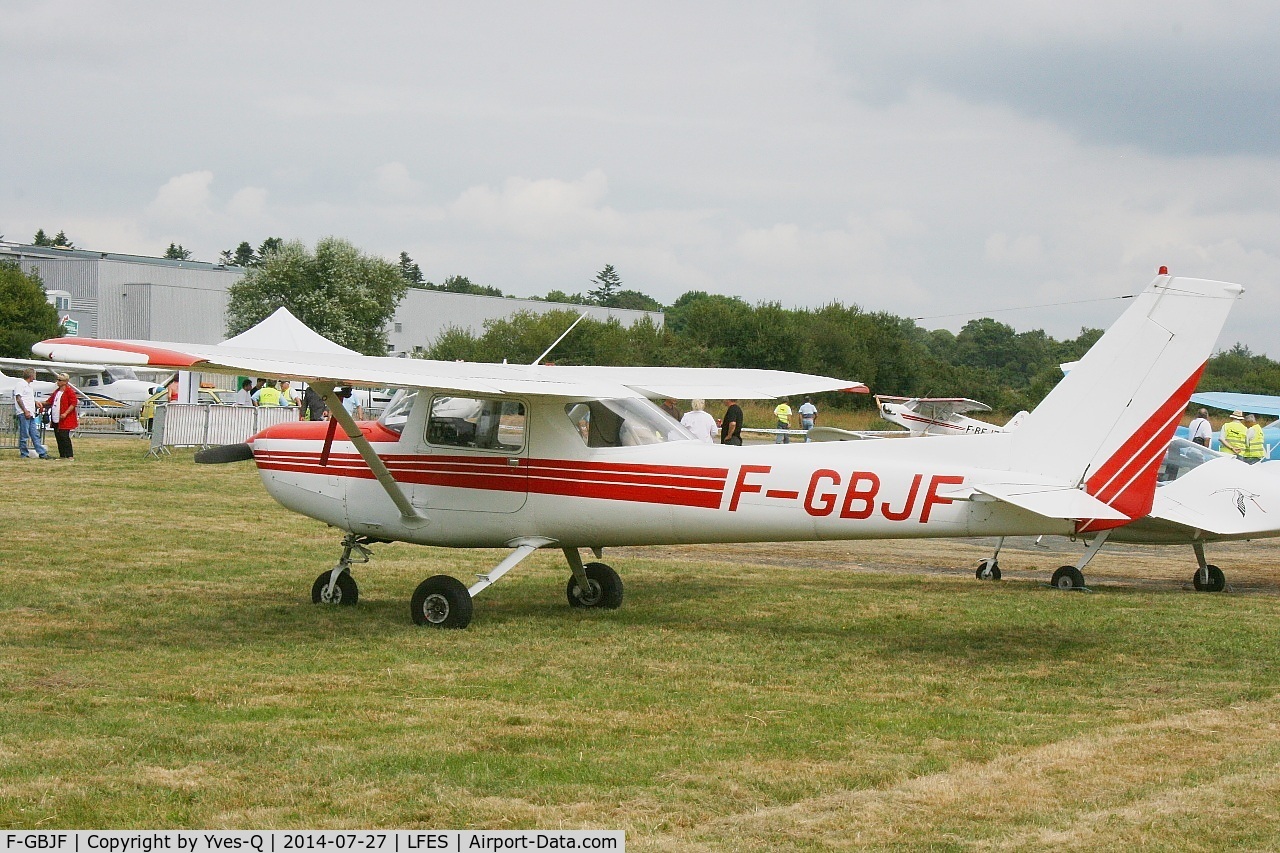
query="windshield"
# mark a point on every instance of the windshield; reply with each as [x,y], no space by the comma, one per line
[114,374]
[397,411]
[1182,456]
[624,423]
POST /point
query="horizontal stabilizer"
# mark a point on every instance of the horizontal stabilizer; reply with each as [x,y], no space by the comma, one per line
[1049,501]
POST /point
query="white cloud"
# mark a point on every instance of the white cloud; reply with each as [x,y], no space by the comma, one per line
[184,198]
[539,208]
[249,203]
[392,181]
[1022,250]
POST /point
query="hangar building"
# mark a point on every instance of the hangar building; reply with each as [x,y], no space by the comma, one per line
[109,295]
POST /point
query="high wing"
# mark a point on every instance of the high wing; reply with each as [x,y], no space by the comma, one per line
[937,408]
[458,377]
[1258,404]
[72,367]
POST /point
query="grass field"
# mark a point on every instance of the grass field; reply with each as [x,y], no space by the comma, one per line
[162,666]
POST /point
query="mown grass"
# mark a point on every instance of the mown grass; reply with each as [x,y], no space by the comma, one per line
[163,667]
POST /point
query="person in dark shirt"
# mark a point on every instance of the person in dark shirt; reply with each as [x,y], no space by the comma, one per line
[313,405]
[731,425]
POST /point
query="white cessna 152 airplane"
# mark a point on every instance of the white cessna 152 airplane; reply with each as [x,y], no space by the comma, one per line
[940,415]
[536,456]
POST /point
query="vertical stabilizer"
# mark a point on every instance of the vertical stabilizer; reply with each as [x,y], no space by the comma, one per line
[1107,423]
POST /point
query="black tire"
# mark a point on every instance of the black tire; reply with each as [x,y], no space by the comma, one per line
[441,602]
[605,588]
[345,591]
[1217,580]
[988,570]
[1068,577]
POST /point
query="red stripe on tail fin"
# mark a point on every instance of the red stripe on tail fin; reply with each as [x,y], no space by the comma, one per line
[1127,481]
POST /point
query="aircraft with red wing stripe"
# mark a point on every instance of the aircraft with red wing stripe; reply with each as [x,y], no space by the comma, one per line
[524,457]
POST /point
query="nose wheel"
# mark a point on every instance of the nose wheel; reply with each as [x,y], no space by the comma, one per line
[337,586]
[342,591]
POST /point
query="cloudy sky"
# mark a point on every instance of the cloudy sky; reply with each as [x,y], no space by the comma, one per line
[940,160]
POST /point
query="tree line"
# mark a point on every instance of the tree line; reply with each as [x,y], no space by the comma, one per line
[350,297]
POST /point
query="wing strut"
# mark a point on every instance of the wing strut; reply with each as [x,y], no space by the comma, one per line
[408,513]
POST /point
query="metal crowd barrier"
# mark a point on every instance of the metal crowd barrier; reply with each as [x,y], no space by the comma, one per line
[9,428]
[208,424]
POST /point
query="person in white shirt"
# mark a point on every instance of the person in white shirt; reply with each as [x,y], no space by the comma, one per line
[699,422]
[1201,430]
[24,406]
[808,416]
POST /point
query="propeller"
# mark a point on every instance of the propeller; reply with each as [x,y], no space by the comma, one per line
[225,453]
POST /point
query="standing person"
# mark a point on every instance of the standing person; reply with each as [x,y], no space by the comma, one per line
[313,405]
[24,406]
[267,395]
[1254,448]
[244,396]
[1233,433]
[350,403]
[669,406]
[698,422]
[288,397]
[782,412]
[62,408]
[731,424]
[808,417]
[1201,430]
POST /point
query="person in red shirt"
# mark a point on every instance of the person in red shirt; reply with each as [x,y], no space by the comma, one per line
[61,407]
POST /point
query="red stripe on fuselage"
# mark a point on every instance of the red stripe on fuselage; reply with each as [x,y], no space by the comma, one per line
[662,484]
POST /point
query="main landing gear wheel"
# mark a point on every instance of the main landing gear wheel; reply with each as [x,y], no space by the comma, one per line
[1068,577]
[988,570]
[345,591]
[442,602]
[604,588]
[1217,581]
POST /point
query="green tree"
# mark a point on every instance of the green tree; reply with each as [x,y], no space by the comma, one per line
[561,296]
[607,283]
[25,314]
[242,256]
[269,245]
[462,284]
[60,239]
[176,252]
[411,271]
[343,294]
[635,300]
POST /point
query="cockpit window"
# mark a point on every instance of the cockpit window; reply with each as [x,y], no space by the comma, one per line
[1182,456]
[397,411]
[624,423]
[114,374]
[480,423]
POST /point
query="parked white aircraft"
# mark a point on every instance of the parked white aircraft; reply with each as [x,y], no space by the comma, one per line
[113,389]
[529,457]
[940,415]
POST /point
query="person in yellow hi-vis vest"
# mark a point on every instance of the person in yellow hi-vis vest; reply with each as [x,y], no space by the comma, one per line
[782,412]
[1254,448]
[1233,435]
[267,395]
